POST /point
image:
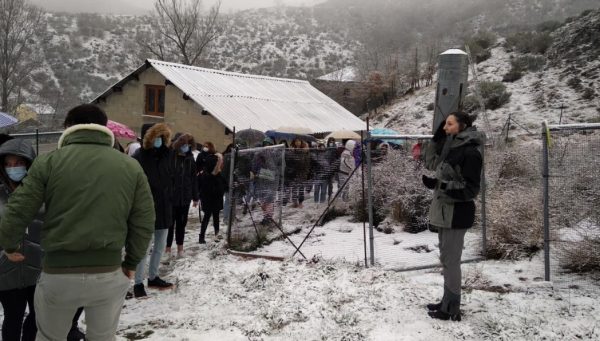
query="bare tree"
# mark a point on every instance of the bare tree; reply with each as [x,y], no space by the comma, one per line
[433,49]
[181,32]
[19,24]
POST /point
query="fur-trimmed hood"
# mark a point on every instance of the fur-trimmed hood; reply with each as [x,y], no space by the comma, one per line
[67,135]
[159,129]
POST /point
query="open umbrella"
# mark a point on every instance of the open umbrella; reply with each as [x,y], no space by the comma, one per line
[250,137]
[121,130]
[387,131]
[290,133]
[7,120]
[278,135]
[343,135]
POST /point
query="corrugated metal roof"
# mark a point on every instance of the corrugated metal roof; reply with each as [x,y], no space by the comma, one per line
[264,103]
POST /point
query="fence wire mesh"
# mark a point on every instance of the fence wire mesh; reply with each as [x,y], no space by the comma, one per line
[573,199]
[42,142]
[300,205]
[402,238]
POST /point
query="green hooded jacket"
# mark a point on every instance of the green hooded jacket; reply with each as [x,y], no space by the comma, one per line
[457,168]
[97,202]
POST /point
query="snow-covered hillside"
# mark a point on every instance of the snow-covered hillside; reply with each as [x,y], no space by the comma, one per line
[537,96]
[86,53]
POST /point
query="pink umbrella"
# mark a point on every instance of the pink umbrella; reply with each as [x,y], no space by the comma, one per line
[121,130]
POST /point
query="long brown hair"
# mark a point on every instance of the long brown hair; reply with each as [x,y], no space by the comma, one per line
[210,146]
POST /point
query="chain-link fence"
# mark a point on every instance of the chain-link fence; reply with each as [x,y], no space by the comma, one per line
[402,238]
[42,142]
[293,202]
[571,163]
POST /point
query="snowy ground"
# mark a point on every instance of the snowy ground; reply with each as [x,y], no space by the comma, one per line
[224,297]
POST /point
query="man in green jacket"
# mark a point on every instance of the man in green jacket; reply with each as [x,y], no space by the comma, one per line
[97,202]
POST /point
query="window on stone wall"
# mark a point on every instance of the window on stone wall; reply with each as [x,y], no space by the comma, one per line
[155,100]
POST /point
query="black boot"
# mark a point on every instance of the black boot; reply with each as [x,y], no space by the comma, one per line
[434,306]
[139,291]
[440,315]
[75,334]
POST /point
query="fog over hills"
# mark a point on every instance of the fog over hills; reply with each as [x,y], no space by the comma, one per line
[140,7]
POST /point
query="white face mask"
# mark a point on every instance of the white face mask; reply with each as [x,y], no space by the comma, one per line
[205,149]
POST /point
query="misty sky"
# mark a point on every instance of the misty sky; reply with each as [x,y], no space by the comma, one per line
[140,6]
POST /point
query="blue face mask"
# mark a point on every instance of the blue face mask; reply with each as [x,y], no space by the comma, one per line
[158,142]
[16,174]
[184,149]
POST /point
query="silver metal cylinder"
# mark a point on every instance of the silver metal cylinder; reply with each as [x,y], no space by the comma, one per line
[453,73]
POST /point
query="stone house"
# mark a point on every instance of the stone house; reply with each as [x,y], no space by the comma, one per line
[210,104]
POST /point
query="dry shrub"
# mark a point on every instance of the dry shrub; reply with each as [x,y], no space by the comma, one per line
[513,164]
[575,199]
[581,256]
[397,192]
[514,223]
[334,212]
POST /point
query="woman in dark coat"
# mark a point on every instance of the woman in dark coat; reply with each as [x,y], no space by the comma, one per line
[297,160]
[18,280]
[455,156]
[156,156]
[212,189]
[185,191]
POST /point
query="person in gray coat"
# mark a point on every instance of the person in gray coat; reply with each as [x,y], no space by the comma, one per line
[455,155]
[18,280]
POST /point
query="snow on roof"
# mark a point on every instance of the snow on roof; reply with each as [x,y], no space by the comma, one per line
[259,102]
[454,51]
[347,74]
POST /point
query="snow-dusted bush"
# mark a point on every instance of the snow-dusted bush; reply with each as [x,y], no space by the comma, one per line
[514,210]
[397,192]
[529,42]
[514,222]
[480,45]
[575,199]
[588,94]
[582,255]
[494,94]
[470,103]
[522,64]
[513,75]
[548,26]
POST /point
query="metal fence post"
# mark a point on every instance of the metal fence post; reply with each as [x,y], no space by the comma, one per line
[37,141]
[370,198]
[364,201]
[545,176]
[282,187]
[483,204]
[231,194]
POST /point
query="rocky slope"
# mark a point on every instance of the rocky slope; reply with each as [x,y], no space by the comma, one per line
[569,80]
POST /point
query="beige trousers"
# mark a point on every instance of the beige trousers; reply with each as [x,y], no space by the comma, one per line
[57,297]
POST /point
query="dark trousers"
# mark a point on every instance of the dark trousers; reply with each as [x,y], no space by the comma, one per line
[297,193]
[206,219]
[451,247]
[180,219]
[14,303]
